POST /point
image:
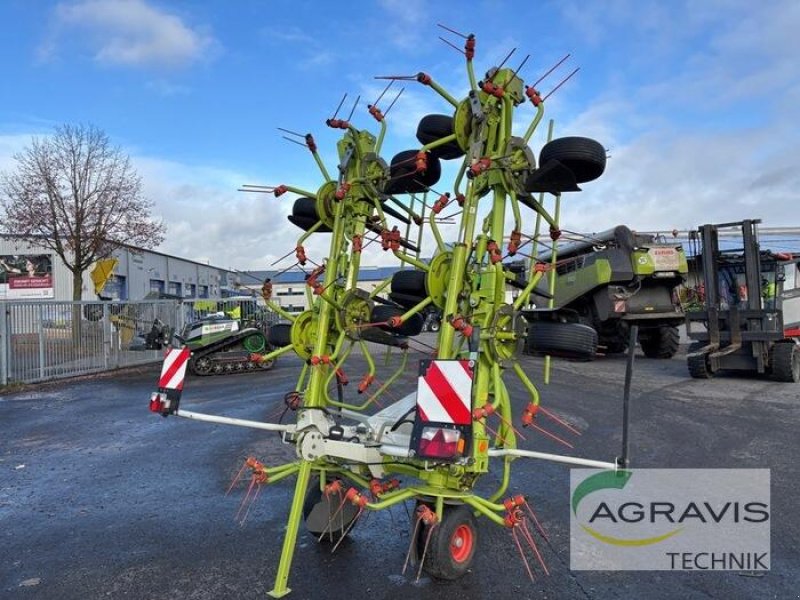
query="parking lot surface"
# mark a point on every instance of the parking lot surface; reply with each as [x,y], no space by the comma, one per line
[99,498]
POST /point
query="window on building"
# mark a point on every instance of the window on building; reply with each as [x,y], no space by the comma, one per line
[175,288]
[190,290]
[202,291]
[157,285]
[116,288]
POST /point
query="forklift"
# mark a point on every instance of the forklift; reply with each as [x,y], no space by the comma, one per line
[750,316]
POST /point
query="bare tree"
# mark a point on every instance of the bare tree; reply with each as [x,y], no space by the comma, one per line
[78,195]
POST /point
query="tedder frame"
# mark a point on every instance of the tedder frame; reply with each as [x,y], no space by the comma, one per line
[437,437]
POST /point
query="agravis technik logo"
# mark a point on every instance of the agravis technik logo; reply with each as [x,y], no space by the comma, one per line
[670,519]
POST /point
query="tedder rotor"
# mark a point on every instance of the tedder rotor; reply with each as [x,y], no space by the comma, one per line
[351,451]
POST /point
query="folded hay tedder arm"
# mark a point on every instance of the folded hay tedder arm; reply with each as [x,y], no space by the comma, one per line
[441,438]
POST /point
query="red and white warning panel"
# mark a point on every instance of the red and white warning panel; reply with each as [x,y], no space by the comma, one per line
[170,383]
[444,408]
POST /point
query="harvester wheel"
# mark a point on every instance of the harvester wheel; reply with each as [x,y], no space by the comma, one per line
[568,340]
[452,543]
[321,513]
[785,360]
[405,180]
[585,157]
[662,342]
[698,365]
[435,127]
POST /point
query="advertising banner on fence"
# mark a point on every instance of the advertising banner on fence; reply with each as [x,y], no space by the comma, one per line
[670,520]
[26,276]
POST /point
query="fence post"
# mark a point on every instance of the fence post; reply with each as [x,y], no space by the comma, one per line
[4,358]
[41,342]
[106,337]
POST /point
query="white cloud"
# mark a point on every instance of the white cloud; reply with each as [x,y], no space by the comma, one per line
[208,219]
[129,33]
[711,138]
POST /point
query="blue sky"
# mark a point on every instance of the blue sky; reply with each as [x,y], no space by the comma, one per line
[697,102]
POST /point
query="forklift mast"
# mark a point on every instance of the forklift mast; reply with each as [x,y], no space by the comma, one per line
[741,324]
[711,260]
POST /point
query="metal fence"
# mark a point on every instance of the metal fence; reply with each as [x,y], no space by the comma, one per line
[45,340]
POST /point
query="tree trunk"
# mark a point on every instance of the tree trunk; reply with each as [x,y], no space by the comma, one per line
[77,294]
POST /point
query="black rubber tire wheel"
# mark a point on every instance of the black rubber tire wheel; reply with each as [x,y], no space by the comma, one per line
[785,361]
[435,127]
[305,207]
[662,342]
[306,223]
[318,510]
[435,325]
[405,300]
[452,544]
[585,157]
[410,328]
[93,312]
[403,176]
[698,365]
[255,343]
[409,282]
[279,335]
[615,345]
[567,340]
[305,216]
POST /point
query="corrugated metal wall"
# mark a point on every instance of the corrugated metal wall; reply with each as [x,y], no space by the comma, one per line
[136,268]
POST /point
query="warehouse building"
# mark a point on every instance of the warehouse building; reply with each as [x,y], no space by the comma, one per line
[289,287]
[34,272]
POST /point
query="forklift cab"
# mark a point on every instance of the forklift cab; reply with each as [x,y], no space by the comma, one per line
[751,308]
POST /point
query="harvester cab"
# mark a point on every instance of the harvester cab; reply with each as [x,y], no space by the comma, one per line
[617,278]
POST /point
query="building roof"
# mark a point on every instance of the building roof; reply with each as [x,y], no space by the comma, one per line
[28,239]
[299,276]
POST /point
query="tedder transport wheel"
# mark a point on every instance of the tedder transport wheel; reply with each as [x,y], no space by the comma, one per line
[434,127]
[660,343]
[279,335]
[585,157]
[410,328]
[698,365]
[452,543]
[785,362]
[318,510]
[404,177]
[568,340]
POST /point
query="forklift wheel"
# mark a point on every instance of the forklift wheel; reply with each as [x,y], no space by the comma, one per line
[321,513]
[452,543]
[785,362]
[661,342]
[698,365]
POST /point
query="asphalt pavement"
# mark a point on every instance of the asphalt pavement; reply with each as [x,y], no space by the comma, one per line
[99,498]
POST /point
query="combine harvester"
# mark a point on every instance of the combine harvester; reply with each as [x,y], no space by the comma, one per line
[458,424]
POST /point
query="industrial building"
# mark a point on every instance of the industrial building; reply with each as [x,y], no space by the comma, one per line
[289,287]
[33,271]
